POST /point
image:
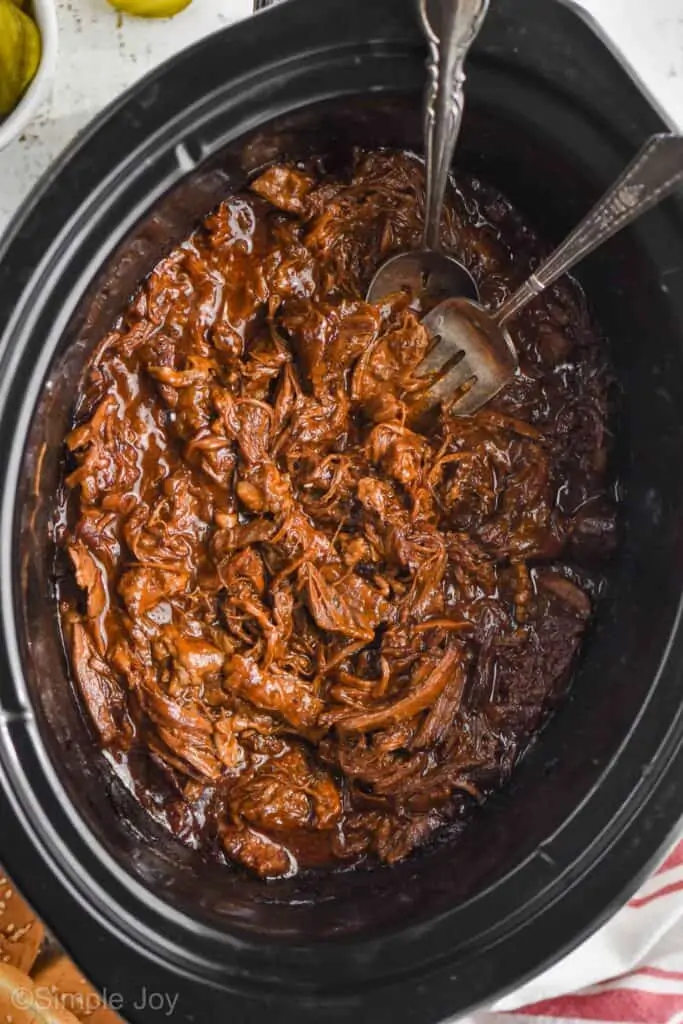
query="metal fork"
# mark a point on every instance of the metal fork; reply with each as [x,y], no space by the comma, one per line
[473,356]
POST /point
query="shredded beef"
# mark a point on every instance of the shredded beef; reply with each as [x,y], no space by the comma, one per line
[318,626]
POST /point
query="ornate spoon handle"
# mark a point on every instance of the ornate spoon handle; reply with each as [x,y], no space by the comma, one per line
[655,172]
[451,27]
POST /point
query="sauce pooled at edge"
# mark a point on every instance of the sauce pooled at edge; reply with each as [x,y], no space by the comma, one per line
[309,629]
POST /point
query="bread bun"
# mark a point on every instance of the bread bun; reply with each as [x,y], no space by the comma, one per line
[21,933]
[60,976]
[22,1002]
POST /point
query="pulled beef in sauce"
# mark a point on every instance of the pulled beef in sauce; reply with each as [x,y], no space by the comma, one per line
[310,629]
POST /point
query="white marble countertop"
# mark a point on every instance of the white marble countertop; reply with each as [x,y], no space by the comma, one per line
[101,54]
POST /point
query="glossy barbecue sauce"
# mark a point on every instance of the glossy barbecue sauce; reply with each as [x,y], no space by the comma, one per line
[309,629]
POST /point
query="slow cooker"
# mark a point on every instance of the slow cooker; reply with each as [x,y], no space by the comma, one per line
[552,118]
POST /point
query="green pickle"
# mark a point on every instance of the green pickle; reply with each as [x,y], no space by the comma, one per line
[19,54]
[151,8]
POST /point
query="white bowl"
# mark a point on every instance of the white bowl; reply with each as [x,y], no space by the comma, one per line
[45,14]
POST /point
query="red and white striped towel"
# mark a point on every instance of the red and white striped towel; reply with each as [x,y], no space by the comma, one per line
[629,972]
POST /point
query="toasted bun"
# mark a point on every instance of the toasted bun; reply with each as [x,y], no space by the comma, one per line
[61,976]
[21,933]
[21,1002]
[57,993]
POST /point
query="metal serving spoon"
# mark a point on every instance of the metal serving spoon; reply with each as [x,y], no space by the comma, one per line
[451,26]
[473,356]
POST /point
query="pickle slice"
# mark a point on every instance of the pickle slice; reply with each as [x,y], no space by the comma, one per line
[32,52]
[19,54]
[151,8]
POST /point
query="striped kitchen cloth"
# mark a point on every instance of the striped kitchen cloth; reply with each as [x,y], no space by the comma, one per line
[629,972]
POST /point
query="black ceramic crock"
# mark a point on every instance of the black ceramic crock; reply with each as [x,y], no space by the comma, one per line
[552,118]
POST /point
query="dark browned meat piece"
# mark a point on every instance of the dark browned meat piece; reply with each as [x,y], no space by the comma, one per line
[89,578]
[350,606]
[423,695]
[287,794]
[143,588]
[285,187]
[571,596]
[262,855]
[101,693]
[275,690]
[441,717]
[312,624]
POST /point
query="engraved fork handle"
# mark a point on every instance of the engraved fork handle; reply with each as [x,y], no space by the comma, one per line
[654,174]
[451,26]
